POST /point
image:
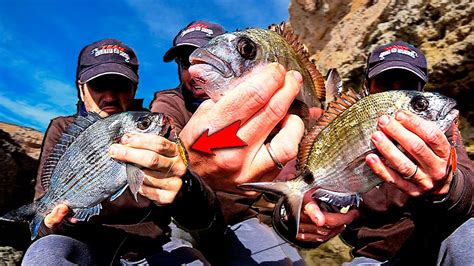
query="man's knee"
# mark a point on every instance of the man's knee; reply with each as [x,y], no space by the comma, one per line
[57,249]
[457,248]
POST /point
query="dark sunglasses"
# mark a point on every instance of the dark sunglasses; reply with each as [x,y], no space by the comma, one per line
[110,82]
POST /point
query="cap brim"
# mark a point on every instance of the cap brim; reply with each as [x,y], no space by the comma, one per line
[384,66]
[173,51]
[107,69]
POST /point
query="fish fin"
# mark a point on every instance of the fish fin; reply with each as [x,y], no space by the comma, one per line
[86,213]
[340,199]
[118,193]
[135,178]
[35,225]
[284,29]
[292,198]
[74,129]
[24,213]
[299,108]
[333,85]
[334,109]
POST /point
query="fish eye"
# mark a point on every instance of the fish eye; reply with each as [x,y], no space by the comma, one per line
[420,103]
[143,123]
[246,48]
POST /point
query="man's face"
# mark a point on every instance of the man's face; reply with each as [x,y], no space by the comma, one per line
[183,65]
[108,94]
[396,79]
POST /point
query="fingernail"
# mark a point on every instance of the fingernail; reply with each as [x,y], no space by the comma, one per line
[400,116]
[377,136]
[125,139]
[370,158]
[297,76]
[384,120]
[114,150]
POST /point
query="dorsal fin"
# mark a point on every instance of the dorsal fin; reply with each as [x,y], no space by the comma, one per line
[287,33]
[334,85]
[335,108]
[74,129]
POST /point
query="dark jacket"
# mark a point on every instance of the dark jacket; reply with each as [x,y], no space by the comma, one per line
[235,208]
[125,226]
[391,225]
[394,226]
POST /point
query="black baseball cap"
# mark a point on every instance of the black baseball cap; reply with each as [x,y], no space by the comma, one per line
[196,34]
[397,55]
[108,56]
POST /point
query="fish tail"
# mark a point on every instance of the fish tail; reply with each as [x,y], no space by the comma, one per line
[292,200]
[26,213]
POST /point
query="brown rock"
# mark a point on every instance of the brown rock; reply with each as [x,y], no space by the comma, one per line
[341,33]
[19,151]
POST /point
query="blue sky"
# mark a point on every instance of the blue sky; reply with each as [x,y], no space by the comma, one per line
[40,42]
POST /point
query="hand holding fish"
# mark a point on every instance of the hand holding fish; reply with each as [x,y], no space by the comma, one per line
[260,103]
[429,170]
[320,226]
[163,166]
[56,216]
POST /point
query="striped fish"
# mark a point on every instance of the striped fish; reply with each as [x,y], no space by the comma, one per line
[79,171]
[228,59]
[332,154]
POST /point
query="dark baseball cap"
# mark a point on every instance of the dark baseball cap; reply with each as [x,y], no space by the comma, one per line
[108,56]
[196,34]
[397,55]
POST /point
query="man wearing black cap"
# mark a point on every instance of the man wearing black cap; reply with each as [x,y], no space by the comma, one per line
[426,197]
[126,230]
[241,239]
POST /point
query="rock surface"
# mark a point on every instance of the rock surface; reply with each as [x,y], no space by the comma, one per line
[19,151]
[341,33]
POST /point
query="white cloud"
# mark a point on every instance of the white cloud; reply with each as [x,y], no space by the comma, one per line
[38,115]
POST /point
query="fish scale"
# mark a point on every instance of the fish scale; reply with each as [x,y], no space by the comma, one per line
[81,174]
[332,153]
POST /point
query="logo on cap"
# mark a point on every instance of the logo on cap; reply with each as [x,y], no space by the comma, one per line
[399,49]
[198,27]
[110,49]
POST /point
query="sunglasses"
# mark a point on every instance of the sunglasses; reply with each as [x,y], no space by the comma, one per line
[110,82]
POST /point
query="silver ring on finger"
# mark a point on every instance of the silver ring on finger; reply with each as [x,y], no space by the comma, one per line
[412,175]
[273,156]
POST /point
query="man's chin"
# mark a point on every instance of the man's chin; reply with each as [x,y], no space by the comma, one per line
[109,110]
[200,94]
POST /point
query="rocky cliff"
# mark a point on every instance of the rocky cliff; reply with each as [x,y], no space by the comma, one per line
[341,33]
[19,151]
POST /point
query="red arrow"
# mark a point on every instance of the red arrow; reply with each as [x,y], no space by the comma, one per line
[224,138]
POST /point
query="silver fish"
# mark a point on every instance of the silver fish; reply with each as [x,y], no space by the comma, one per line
[332,154]
[81,172]
[223,63]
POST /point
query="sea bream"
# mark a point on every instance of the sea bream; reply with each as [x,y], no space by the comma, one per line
[80,173]
[331,159]
[224,61]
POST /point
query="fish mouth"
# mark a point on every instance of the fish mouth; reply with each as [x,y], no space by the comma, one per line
[202,56]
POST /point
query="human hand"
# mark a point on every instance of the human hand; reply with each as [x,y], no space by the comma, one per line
[429,155]
[260,103]
[163,166]
[320,226]
[56,216]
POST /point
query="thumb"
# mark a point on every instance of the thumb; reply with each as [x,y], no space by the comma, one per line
[56,216]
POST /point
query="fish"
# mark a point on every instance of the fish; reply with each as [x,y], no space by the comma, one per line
[81,172]
[331,158]
[226,60]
